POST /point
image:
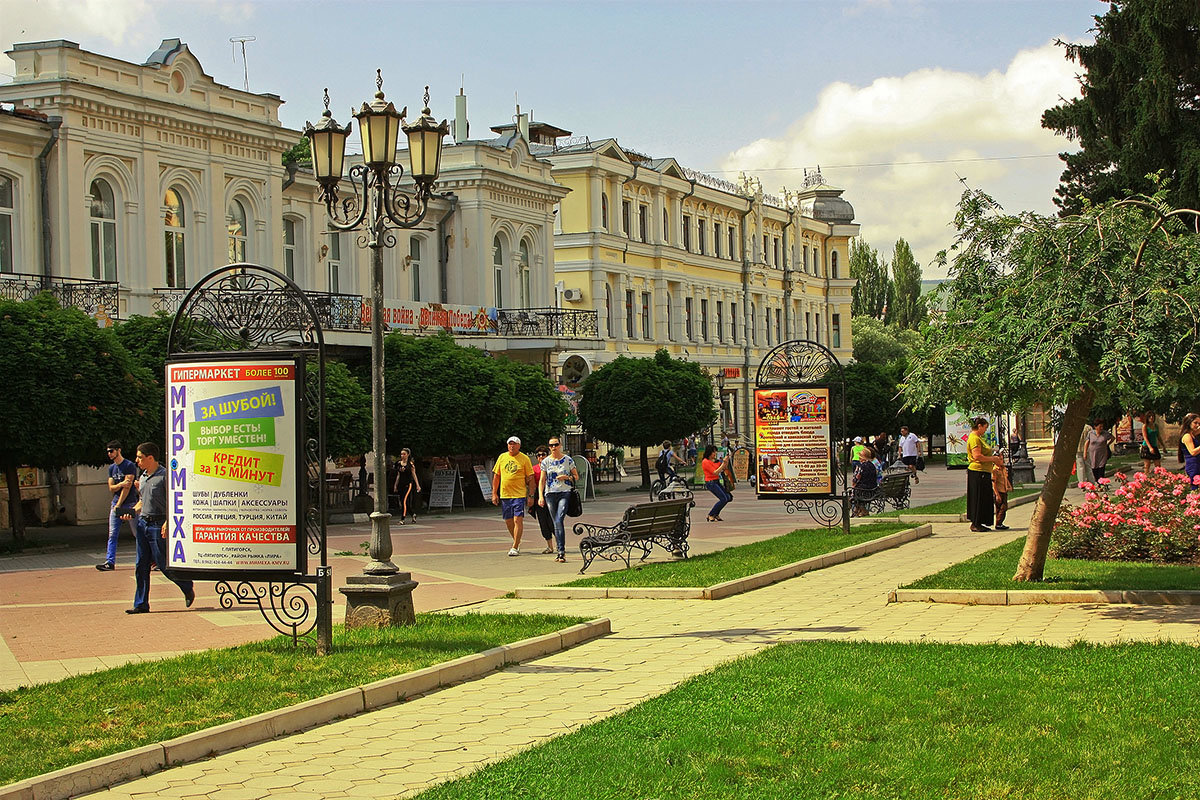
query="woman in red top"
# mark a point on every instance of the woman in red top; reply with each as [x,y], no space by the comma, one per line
[712,479]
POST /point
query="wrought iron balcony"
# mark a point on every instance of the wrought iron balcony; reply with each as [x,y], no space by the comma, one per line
[86,294]
[550,323]
[337,312]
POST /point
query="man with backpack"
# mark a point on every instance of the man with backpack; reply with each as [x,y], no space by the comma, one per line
[663,464]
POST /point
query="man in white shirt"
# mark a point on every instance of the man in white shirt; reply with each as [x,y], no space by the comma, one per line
[908,451]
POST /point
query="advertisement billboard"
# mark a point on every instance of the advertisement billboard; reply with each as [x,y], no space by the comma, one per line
[234,491]
[794,447]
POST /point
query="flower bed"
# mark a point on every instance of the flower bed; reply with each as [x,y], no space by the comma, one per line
[1147,517]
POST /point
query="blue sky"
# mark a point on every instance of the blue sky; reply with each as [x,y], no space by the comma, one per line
[720,86]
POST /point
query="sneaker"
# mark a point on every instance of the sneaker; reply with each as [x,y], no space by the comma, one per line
[107,566]
[514,552]
[414,518]
[561,559]
[1002,528]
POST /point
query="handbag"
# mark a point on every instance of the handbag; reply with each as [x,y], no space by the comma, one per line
[920,463]
[1144,453]
[574,503]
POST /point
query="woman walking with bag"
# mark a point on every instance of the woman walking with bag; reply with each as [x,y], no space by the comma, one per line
[554,489]
[406,481]
[712,481]
[1151,442]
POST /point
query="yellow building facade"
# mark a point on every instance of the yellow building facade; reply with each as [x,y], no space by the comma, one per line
[715,272]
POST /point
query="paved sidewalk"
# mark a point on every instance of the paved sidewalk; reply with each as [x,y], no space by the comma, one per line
[402,749]
[60,617]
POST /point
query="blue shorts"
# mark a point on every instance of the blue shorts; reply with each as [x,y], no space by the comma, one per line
[512,508]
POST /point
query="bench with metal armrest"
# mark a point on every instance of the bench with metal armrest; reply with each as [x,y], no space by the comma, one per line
[665,523]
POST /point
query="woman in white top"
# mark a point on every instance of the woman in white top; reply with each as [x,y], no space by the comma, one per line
[558,478]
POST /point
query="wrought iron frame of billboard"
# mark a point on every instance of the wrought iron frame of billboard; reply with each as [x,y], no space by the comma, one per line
[802,364]
[248,308]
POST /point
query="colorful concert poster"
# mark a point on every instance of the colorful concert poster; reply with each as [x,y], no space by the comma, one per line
[233,491]
[791,429]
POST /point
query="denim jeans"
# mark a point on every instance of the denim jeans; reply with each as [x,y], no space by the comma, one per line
[556,504]
[114,531]
[151,545]
[723,497]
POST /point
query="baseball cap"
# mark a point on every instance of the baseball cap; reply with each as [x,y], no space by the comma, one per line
[512,439]
[856,438]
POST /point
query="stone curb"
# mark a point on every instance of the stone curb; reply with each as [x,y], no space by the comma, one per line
[1003,597]
[727,588]
[100,773]
[916,518]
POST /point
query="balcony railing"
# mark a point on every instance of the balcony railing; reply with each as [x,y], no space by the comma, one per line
[553,323]
[337,312]
[86,294]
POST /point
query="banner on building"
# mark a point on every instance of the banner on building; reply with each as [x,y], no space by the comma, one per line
[423,317]
[234,489]
[794,448]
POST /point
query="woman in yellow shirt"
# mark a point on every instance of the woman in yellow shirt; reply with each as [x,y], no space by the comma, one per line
[980,507]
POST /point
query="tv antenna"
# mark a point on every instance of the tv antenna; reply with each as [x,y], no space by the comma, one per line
[245,67]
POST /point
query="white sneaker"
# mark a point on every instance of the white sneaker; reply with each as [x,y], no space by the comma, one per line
[514,552]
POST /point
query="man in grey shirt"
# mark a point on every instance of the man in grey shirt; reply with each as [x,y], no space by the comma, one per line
[151,546]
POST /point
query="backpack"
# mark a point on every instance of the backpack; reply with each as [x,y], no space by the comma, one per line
[663,462]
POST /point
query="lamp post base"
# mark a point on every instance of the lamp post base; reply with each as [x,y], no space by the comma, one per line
[379,601]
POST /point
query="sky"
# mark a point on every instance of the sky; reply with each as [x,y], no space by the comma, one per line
[901,103]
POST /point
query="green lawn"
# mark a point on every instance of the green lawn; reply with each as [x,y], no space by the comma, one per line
[743,560]
[863,720]
[957,505]
[50,726]
[993,570]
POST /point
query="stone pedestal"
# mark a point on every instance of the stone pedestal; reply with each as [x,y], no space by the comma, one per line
[378,601]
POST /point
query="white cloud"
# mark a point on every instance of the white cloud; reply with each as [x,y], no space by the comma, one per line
[936,117]
[116,22]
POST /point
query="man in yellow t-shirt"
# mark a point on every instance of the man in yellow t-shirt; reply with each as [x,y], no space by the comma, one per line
[512,486]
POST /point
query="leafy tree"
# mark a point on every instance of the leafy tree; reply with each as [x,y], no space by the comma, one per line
[1138,112]
[642,401]
[299,153]
[347,412]
[872,293]
[443,399]
[882,345]
[70,386]
[907,308]
[1086,309]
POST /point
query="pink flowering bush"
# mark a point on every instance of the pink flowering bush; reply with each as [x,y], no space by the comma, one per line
[1149,517]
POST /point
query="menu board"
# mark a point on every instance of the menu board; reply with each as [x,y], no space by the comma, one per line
[445,490]
[794,453]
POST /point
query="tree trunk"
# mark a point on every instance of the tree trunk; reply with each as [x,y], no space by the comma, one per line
[1037,540]
[645,469]
[16,520]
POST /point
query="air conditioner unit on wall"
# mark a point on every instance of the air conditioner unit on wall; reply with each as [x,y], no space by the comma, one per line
[572,295]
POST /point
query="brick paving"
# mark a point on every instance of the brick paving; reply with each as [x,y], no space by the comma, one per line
[400,750]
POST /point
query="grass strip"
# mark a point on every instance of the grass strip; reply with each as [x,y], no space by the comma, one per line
[50,726]
[743,560]
[994,570]
[867,720]
[955,505]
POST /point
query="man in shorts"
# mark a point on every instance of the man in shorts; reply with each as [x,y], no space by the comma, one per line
[908,451]
[512,486]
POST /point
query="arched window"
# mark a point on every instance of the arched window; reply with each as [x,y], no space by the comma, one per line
[604,211]
[175,228]
[833,264]
[498,269]
[290,246]
[104,231]
[235,222]
[526,287]
[8,210]
[414,266]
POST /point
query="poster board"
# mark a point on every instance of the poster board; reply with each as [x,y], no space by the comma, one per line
[958,428]
[793,443]
[586,481]
[445,490]
[483,477]
[234,467]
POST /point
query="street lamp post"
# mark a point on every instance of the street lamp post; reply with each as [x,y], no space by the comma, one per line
[382,595]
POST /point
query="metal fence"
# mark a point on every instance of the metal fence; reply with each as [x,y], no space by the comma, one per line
[83,293]
[553,323]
